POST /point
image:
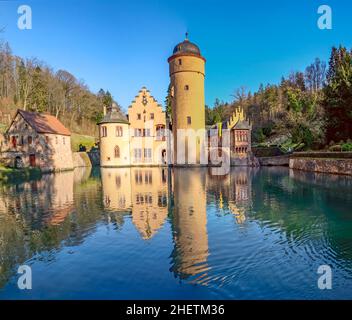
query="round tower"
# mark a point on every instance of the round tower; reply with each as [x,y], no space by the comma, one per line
[114,139]
[187,73]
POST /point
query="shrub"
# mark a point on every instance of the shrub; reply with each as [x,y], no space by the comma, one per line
[346,146]
[303,134]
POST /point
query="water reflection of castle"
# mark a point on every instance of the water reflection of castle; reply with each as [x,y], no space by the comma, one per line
[141,191]
[149,194]
[73,202]
[233,191]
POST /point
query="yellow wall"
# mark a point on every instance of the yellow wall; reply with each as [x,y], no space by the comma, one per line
[150,106]
[108,143]
[187,103]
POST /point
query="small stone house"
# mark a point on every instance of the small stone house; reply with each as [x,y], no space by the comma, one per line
[37,140]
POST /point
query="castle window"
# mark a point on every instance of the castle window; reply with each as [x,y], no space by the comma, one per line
[104,132]
[180,62]
[117,152]
[148,176]
[30,140]
[56,140]
[186,87]
[138,177]
[148,154]
[138,116]
[118,181]
[189,120]
[137,154]
[152,116]
[119,131]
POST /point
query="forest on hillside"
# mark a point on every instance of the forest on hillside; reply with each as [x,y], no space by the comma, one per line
[30,84]
[310,109]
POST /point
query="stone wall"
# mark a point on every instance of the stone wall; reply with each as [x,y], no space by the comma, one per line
[86,159]
[81,159]
[336,166]
[274,161]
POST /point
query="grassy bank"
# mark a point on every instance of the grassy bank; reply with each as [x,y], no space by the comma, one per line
[78,139]
[13,175]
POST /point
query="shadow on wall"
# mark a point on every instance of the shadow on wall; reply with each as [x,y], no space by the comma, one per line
[86,159]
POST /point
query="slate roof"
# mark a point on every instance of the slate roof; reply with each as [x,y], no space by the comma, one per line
[114,115]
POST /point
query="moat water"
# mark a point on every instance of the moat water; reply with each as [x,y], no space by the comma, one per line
[153,233]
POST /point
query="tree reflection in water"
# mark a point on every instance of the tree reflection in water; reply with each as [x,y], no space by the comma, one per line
[267,207]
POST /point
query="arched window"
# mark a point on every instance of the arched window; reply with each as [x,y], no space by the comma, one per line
[119,131]
[117,152]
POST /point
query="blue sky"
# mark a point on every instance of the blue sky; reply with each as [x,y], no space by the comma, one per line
[124,45]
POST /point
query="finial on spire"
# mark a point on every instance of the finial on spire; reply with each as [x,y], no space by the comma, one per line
[186,35]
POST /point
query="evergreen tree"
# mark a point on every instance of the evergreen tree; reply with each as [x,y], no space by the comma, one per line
[338,95]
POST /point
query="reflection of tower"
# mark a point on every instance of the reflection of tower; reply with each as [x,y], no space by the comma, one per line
[189,222]
[116,188]
[187,72]
[149,198]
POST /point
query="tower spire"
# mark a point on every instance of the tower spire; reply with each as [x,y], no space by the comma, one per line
[186,35]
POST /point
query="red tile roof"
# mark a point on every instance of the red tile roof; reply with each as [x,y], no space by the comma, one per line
[44,123]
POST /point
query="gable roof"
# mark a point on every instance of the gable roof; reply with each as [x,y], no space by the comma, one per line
[43,123]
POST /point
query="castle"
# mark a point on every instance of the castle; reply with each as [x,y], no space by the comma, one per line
[147,137]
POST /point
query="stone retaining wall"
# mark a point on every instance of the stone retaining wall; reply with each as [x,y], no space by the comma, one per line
[85,159]
[336,166]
